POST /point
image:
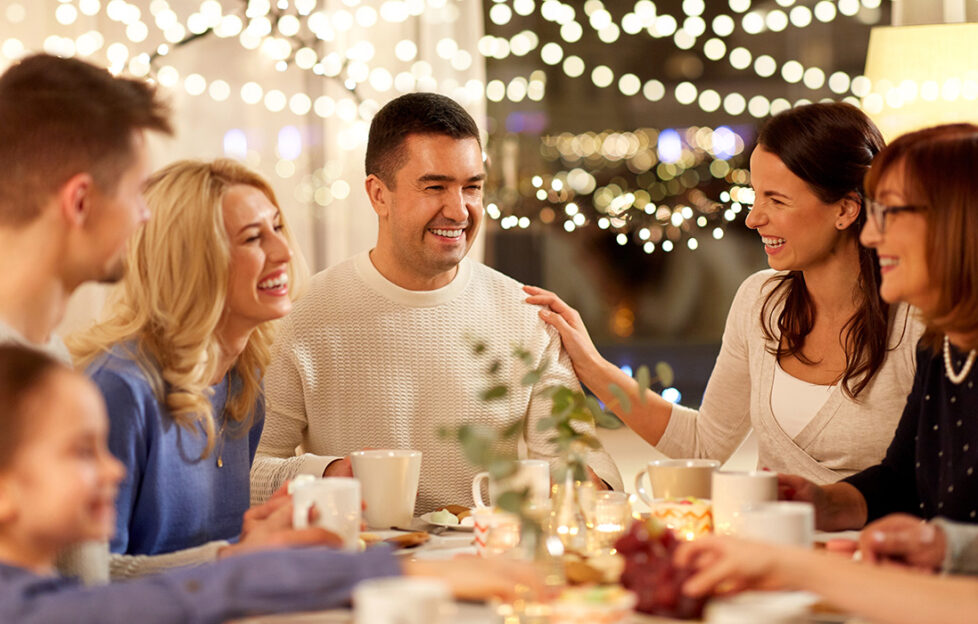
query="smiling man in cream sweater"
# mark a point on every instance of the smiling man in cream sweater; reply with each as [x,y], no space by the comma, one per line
[375,354]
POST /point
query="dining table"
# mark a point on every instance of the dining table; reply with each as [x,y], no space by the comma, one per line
[448,544]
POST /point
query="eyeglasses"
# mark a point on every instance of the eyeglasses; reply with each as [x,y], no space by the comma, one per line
[878,212]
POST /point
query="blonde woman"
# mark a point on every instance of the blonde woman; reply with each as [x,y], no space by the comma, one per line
[179,358]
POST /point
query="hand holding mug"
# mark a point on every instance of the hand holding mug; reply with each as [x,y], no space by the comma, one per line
[270,526]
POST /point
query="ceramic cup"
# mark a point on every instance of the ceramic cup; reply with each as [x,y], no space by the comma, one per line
[336,502]
[402,600]
[734,490]
[780,522]
[769,607]
[532,474]
[676,478]
[389,481]
[495,531]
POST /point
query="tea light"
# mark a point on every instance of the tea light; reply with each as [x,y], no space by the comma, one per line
[608,520]
[688,518]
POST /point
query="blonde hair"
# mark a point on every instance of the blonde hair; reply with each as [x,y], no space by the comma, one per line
[173,297]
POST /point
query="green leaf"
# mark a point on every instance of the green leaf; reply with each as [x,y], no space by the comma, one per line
[530,378]
[621,396]
[546,423]
[495,366]
[515,429]
[511,501]
[495,392]
[525,356]
[644,379]
[607,420]
[501,468]
[664,372]
[479,347]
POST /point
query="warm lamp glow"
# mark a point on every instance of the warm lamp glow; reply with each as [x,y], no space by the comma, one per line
[922,76]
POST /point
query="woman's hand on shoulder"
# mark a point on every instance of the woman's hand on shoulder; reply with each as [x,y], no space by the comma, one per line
[567,321]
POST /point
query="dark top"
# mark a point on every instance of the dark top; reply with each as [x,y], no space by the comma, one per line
[929,468]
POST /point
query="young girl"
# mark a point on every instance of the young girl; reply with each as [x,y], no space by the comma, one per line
[57,487]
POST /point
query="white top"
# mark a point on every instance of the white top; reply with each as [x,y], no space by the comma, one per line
[845,435]
[361,362]
[795,402]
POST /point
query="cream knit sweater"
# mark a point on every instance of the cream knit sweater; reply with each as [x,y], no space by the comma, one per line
[845,435]
[361,362]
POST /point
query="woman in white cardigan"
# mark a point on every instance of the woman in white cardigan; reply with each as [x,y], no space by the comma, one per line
[812,358]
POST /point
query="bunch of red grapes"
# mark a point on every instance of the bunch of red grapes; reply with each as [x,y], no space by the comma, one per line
[650,572]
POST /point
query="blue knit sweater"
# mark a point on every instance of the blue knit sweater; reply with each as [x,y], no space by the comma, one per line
[170,499]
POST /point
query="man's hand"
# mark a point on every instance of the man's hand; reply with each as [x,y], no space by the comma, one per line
[903,539]
[339,468]
[270,526]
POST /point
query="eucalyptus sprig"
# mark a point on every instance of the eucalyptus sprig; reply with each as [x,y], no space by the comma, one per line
[571,412]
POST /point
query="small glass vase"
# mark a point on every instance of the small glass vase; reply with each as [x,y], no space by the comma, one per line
[572,501]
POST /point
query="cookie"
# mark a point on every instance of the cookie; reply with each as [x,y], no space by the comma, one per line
[408,540]
[455,510]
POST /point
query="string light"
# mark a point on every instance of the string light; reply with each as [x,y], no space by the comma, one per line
[283,31]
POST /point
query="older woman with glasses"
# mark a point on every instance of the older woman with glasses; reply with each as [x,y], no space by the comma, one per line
[924,227]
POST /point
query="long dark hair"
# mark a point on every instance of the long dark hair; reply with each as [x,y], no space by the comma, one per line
[830,146]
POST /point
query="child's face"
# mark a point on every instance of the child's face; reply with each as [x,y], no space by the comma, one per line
[62,482]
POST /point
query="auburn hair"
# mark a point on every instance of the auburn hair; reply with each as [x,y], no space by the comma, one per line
[939,174]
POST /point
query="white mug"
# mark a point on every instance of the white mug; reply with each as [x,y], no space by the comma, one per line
[402,600]
[532,474]
[769,607]
[733,490]
[389,480]
[337,504]
[676,478]
[779,522]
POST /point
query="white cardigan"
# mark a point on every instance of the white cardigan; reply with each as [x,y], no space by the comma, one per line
[845,435]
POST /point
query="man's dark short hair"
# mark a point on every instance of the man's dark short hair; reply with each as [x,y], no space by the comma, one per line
[413,113]
[60,117]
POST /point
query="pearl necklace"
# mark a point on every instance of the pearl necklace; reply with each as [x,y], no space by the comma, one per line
[956,378]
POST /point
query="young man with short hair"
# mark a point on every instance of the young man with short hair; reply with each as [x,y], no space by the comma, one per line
[376,353]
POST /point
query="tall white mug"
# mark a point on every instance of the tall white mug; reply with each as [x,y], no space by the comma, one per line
[402,600]
[389,480]
[531,474]
[734,490]
[780,522]
[337,504]
[676,478]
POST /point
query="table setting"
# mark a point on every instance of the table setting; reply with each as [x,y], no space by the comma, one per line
[613,561]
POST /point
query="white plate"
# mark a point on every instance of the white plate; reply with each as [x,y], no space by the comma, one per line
[457,527]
